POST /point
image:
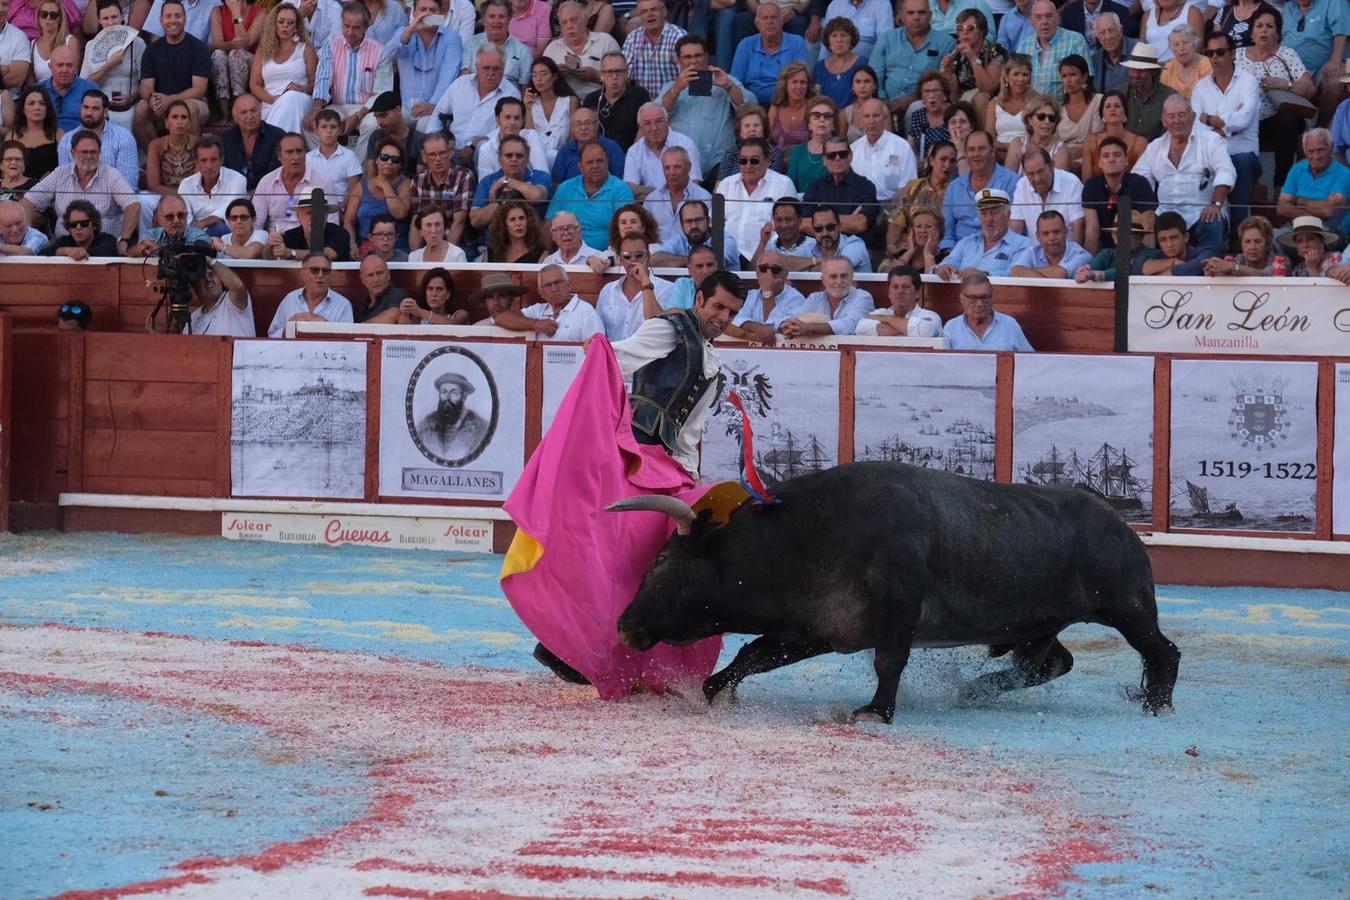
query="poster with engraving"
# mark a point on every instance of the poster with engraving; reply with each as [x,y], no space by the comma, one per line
[1086,421]
[793,401]
[926,409]
[452,419]
[1244,445]
[561,365]
[1340,457]
[298,419]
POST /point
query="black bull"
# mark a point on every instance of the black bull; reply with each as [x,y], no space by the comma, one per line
[888,556]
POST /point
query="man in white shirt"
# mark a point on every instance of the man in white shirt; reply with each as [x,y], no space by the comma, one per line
[880,155]
[783,235]
[751,194]
[562,316]
[279,189]
[471,100]
[565,228]
[659,342]
[638,295]
[1042,187]
[231,310]
[664,203]
[904,317]
[16,54]
[847,303]
[642,167]
[566,231]
[210,189]
[772,303]
[578,51]
[1227,102]
[1192,173]
[510,117]
[516,56]
[314,301]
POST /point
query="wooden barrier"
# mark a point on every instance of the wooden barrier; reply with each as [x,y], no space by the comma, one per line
[1056,316]
[6,392]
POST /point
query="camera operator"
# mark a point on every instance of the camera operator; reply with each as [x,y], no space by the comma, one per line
[294,242]
[172,216]
[220,305]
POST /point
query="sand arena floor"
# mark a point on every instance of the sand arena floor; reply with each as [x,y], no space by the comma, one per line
[196,717]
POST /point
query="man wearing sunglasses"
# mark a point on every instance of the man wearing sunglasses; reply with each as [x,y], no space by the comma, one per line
[832,243]
[172,216]
[84,237]
[771,303]
[849,194]
[314,300]
[1227,102]
[624,304]
[751,193]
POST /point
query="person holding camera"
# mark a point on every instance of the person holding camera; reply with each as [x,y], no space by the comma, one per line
[172,216]
[702,100]
[221,305]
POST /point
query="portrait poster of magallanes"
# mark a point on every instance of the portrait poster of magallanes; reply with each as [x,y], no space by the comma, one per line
[452,419]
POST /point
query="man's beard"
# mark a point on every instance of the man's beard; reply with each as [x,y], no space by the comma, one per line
[698,239]
[92,126]
[448,412]
[828,244]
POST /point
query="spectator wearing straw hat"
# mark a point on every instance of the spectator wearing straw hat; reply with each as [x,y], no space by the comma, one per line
[497,293]
[1145,99]
[1308,240]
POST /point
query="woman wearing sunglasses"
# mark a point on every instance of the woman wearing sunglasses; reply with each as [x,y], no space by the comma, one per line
[84,236]
[52,33]
[1042,120]
[389,191]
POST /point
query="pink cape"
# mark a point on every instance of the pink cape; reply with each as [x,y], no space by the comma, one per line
[574,567]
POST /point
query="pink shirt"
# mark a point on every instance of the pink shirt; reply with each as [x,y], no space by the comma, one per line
[23,16]
[275,205]
[531,27]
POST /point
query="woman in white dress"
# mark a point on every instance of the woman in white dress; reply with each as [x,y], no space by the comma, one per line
[114,65]
[283,69]
[1003,117]
[430,224]
[549,104]
[52,33]
[1165,17]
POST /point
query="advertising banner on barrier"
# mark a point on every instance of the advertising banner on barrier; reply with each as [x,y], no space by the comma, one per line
[298,419]
[467,535]
[1340,462]
[1087,421]
[1244,445]
[926,409]
[452,419]
[793,402]
[1277,316]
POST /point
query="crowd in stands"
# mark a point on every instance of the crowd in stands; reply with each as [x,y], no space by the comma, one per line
[954,138]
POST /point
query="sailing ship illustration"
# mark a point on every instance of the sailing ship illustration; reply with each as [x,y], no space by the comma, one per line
[1201,509]
[790,456]
[1108,473]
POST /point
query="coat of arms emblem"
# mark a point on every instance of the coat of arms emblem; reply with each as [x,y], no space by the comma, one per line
[1260,417]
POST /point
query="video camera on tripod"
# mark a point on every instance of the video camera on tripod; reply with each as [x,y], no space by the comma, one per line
[180,265]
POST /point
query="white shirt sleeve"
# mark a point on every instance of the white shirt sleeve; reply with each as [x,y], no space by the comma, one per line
[653,340]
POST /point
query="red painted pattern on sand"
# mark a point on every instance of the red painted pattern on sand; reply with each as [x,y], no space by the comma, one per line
[140,889]
[490,783]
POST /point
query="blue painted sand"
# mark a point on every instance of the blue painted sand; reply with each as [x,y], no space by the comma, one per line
[1259,806]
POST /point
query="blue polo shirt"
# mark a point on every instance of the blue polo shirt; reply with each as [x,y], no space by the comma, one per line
[679,245]
[997,260]
[958,205]
[567,164]
[593,210]
[67,105]
[533,176]
[1002,334]
[899,65]
[1334,180]
[758,70]
[1311,35]
[1034,257]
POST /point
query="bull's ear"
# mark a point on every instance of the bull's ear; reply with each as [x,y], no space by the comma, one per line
[704,526]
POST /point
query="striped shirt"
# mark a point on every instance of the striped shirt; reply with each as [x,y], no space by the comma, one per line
[1045,63]
[347,76]
[653,65]
[107,190]
[454,196]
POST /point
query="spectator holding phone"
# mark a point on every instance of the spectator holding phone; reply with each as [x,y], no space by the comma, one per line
[702,100]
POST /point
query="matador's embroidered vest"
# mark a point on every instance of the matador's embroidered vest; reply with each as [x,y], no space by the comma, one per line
[666,390]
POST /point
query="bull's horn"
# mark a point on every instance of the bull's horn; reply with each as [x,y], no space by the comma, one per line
[678,510]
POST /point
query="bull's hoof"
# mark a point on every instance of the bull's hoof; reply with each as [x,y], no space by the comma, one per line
[872,711]
[1159,709]
[555,665]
